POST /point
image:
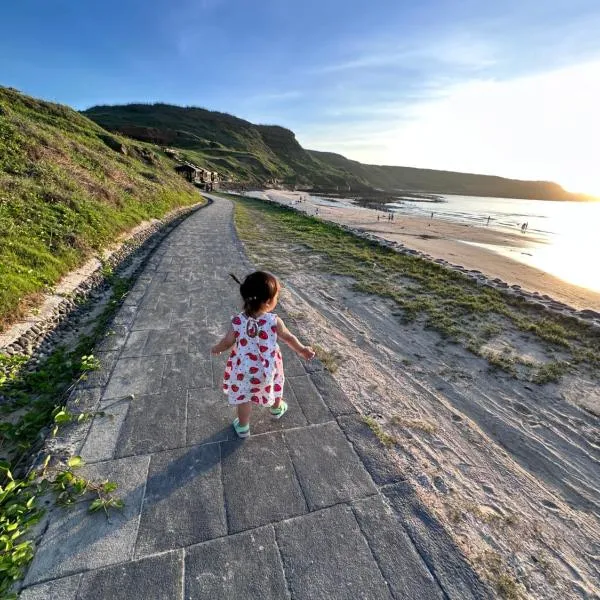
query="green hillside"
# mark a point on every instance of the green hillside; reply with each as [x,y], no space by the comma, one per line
[68,188]
[445,182]
[265,154]
[242,151]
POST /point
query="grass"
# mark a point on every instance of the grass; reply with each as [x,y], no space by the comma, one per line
[329,359]
[68,188]
[418,424]
[506,585]
[387,440]
[32,402]
[425,293]
[551,372]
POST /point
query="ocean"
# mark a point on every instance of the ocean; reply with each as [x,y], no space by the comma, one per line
[562,238]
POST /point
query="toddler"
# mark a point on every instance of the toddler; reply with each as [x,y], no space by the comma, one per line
[254,371]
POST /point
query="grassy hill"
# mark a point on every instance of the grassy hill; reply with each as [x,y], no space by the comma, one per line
[263,154]
[68,188]
[445,182]
[244,152]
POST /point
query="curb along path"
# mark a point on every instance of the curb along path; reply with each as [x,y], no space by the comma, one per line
[309,507]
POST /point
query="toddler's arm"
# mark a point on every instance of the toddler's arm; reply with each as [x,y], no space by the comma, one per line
[226,343]
[291,340]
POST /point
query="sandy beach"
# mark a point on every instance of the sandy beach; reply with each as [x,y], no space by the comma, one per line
[455,242]
[508,463]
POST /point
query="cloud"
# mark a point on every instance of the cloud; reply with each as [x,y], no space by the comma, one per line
[543,126]
[459,50]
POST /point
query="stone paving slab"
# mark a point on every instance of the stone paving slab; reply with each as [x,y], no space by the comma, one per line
[262,422]
[333,395]
[113,339]
[154,578]
[153,423]
[208,417]
[100,376]
[137,376]
[76,540]
[183,504]
[259,482]
[378,459]
[158,318]
[328,469]
[404,570]
[435,546]
[135,344]
[292,364]
[292,512]
[58,589]
[326,557]
[245,565]
[184,371]
[101,441]
[313,407]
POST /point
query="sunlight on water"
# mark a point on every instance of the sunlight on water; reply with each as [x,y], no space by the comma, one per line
[573,253]
[567,233]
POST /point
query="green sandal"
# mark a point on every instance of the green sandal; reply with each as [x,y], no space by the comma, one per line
[278,412]
[242,432]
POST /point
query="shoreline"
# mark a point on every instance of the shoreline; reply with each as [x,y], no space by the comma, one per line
[457,243]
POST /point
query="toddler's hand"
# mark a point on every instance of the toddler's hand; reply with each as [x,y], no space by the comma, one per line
[307,353]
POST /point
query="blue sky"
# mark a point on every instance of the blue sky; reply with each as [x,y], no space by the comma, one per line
[466,85]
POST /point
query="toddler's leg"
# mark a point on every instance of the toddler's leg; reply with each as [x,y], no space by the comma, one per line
[243,413]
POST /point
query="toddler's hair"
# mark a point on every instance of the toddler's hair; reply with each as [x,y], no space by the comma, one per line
[257,289]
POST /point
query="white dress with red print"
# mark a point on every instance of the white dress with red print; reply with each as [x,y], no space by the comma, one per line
[254,371]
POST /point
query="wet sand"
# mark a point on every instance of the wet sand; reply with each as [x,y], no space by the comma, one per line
[453,241]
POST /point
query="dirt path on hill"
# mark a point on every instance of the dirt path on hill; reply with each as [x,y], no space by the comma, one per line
[512,468]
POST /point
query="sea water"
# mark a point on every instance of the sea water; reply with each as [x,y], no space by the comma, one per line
[562,238]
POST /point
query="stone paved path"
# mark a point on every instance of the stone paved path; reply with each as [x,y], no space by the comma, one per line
[307,508]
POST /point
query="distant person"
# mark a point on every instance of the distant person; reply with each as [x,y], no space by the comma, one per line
[378,217]
[254,371]
[488,221]
[524,228]
[432,215]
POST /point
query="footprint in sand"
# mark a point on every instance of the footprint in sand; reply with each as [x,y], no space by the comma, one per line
[488,489]
[456,418]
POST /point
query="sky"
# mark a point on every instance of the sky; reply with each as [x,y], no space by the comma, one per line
[509,88]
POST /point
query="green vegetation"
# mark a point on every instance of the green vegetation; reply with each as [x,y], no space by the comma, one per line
[385,438]
[237,149]
[31,402]
[260,154]
[446,301]
[67,189]
[329,359]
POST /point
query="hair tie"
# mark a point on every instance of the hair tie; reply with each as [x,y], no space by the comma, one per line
[235,278]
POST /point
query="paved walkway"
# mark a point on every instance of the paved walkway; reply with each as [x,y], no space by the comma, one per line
[309,507]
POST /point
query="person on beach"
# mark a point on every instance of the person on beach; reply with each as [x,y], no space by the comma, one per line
[254,370]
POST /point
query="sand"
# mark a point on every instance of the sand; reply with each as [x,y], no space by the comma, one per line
[451,241]
[511,468]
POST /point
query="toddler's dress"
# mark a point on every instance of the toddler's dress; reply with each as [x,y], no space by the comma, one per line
[254,371]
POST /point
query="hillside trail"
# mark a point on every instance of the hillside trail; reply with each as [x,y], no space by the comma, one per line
[511,468]
[309,507]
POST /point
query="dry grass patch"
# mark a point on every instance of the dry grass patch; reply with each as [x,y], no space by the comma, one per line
[385,438]
[419,424]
